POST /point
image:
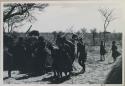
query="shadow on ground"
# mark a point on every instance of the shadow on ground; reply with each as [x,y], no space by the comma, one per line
[55,80]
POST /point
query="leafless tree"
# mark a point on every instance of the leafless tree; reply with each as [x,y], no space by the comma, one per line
[108,18]
[16,13]
[93,31]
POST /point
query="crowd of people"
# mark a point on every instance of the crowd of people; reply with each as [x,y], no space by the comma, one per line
[29,54]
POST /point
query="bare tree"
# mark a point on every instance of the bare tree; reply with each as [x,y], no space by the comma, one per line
[93,31]
[16,13]
[108,18]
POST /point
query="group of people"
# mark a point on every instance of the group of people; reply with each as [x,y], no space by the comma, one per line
[64,53]
[103,51]
[29,54]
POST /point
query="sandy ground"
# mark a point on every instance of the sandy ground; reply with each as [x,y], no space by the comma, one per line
[96,72]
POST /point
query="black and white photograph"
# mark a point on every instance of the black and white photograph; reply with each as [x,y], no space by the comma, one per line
[62,42]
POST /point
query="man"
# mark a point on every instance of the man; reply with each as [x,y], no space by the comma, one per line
[81,54]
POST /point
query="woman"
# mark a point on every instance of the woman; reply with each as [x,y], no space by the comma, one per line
[102,51]
[115,53]
[64,60]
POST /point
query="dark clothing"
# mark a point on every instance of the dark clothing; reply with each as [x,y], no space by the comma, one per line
[19,56]
[82,63]
[102,50]
[40,56]
[30,46]
[64,60]
[82,55]
[115,53]
[71,50]
[28,54]
[55,57]
[82,52]
[8,62]
[72,40]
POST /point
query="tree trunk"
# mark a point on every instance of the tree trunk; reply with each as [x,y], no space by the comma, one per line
[104,36]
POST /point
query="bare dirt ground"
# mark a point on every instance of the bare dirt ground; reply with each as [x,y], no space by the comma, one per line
[96,72]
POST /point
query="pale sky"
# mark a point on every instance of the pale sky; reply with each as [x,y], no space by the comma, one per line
[62,16]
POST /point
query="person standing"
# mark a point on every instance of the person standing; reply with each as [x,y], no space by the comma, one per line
[81,54]
[19,55]
[71,49]
[64,60]
[8,55]
[54,54]
[115,53]
[102,51]
[40,55]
